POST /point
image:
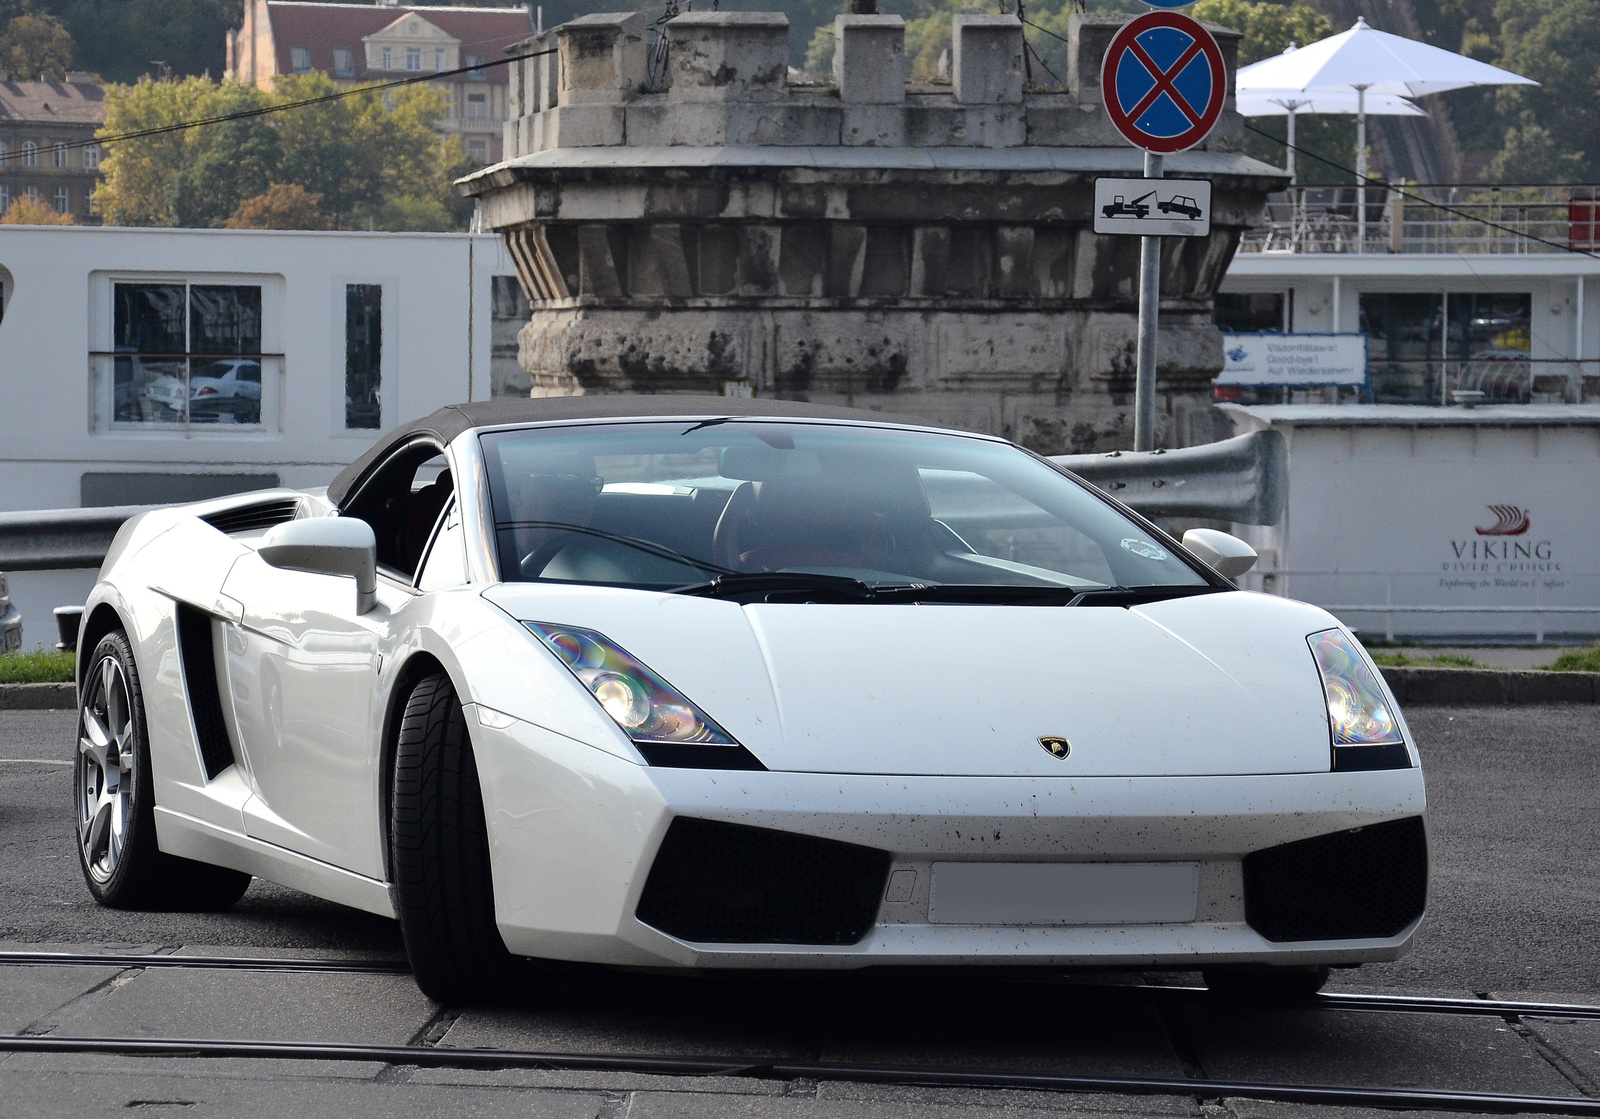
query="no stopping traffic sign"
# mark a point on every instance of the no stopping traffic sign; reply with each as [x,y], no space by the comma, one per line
[1164,82]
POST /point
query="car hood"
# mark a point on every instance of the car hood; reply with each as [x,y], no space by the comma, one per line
[1209,685]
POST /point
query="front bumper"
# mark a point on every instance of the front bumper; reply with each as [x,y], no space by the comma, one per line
[574,830]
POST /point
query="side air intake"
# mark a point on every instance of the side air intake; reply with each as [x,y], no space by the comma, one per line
[1366,883]
[252,517]
[732,884]
[200,682]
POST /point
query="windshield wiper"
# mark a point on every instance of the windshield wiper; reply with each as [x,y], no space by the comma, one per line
[1138,596]
[739,583]
[995,594]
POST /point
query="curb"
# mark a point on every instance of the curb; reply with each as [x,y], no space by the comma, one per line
[38,697]
[1489,687]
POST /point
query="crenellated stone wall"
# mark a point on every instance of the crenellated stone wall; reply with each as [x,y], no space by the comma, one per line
[922,249]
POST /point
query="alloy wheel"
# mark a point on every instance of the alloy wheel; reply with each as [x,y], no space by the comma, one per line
[105,768]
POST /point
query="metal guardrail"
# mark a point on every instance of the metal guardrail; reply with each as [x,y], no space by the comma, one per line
[60,539]
[1244,480]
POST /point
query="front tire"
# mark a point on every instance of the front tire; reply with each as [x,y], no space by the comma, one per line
[114,795]
[439,845]
[1265,984]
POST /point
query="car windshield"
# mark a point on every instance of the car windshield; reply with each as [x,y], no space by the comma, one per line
[681,505]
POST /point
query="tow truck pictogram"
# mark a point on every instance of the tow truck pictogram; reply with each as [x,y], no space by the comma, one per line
[1135,209]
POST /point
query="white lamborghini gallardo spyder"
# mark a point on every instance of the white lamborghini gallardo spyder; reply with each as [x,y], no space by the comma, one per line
[701,682]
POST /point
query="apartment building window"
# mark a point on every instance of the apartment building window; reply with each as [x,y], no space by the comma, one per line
[91,157]
[478,150]
[388,58]
[363,356]
[63,200]
[413,58]
[344,62]
[5,198]
[477,74]
[300,59]
[438,60]
[30,154]
[4,152]
[477,106]
[186,354]
[59,153]
[32,193]
[89,208]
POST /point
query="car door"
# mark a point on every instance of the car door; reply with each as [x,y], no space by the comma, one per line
[302,668]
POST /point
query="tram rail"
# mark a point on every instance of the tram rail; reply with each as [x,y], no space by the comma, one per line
[446,1057]
[1418,1099]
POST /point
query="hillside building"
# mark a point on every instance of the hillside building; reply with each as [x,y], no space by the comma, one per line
[47,148]
[359,44]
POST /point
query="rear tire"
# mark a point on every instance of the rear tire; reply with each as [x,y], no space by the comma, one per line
[1265,984]
[440,850]
[115,802]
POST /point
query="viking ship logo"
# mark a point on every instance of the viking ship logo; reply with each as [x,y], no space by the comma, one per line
[1509,521]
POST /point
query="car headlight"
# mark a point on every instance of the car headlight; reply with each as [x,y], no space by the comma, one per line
[1366,734]
[667,728]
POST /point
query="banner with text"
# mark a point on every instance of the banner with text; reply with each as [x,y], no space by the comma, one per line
[1294,359]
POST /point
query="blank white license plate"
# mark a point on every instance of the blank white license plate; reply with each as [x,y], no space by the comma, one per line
[1062,894]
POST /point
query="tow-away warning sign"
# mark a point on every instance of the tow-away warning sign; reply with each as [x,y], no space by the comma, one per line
[1153,207]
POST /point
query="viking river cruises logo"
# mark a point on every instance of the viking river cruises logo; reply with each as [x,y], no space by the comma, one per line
[1510,520]
[1501,553]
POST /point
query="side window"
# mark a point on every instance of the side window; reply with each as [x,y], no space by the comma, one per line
[446,565]
[402,502]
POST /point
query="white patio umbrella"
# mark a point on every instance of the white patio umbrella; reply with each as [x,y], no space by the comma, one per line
[1290,103]
[1367,60]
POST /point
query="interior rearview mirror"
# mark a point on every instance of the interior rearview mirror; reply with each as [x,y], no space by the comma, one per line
[328,546]
[1228,554]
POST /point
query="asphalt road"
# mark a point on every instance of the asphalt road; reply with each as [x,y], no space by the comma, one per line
[1511,792]
[1515,911]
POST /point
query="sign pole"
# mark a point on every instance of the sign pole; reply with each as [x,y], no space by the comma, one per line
[1144,393]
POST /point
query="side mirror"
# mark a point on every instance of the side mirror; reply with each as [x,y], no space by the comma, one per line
[1228,554]
[328,546]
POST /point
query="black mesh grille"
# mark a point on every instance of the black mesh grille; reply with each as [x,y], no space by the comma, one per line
[1367,883]
[732,884]
[200,680]
[252,517]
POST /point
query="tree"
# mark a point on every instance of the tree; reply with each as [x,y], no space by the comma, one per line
[372,158]
[282,206]
[36,46]
[234,160]
[31,211]
[1531,155]
[122,40]
[1554,43]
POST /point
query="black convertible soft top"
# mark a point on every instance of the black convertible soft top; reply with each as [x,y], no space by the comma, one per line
[450,421]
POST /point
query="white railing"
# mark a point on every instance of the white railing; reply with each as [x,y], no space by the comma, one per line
[1430,218]
[1278,581]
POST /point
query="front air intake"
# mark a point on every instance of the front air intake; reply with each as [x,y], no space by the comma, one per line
[1367,883]
[732,884]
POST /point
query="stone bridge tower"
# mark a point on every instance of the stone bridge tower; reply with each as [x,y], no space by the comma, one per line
[691,219]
